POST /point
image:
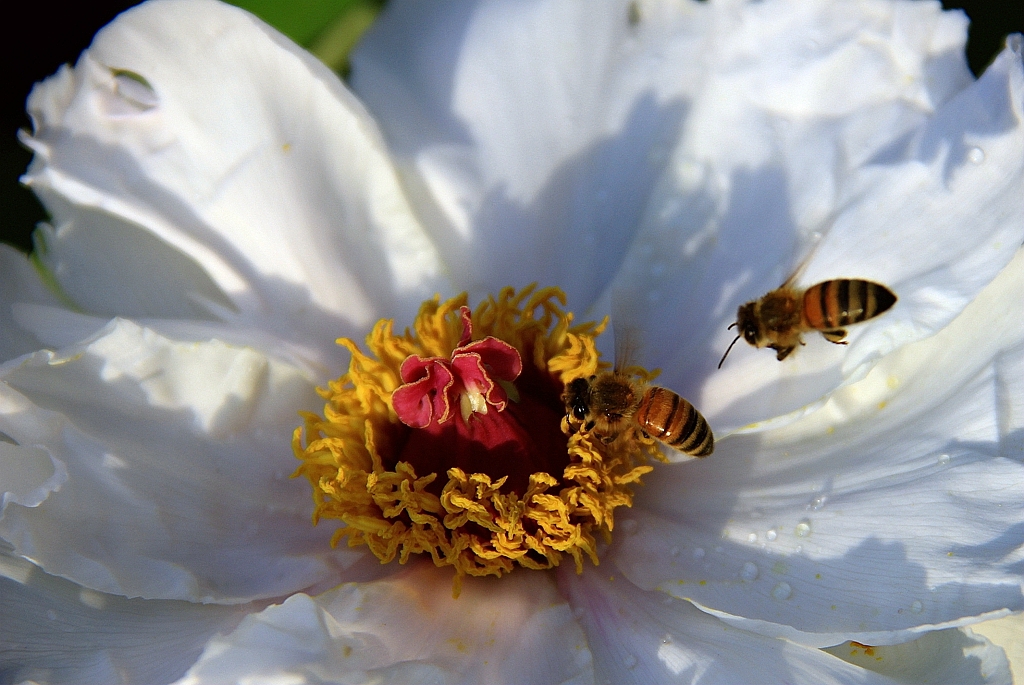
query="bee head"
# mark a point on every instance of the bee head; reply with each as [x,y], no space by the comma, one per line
[747,321]
[577,401]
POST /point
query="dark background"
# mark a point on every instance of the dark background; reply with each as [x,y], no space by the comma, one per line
[48,34]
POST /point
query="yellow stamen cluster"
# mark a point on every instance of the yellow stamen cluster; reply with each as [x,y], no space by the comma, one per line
[475,525]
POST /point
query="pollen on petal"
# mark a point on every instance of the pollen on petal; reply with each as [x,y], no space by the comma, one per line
[447,440]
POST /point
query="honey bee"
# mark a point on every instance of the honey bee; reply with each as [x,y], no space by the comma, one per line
[779,319]
[614,403]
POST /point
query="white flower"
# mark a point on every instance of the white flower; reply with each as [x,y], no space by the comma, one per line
[224,208]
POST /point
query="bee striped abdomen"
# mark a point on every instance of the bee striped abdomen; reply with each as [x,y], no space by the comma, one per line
[834,304]
[667,417]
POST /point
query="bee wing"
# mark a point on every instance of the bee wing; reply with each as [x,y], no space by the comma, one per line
[799,269]
[627,344]
[809,246]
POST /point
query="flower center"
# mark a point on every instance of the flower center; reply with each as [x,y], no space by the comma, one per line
[449,440]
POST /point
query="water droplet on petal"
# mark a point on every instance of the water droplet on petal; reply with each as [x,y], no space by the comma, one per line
[629,661]
[749,571]
[752,538]
[698,553]
[803,529]
[771,535]
[943,458]
[51,614]
[782,591]
[916,607]
[976,155]
[799,548]
[818,502]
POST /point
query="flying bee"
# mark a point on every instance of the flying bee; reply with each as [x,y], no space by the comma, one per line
[779,319]
[614,403]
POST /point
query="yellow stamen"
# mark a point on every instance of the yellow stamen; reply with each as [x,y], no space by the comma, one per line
[474,522]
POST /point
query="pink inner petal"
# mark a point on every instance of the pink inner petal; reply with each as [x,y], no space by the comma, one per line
[427,399]
[500,359]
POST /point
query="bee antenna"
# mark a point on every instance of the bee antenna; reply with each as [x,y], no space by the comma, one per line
[728,350]
[732,325]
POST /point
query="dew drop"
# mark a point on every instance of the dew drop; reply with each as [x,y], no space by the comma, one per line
[943,458]
[667,640]
[782,591]
[51,614]
[976,155]
[749,571]
[803,529]
[818,502]
[916,607]
[629,661]
[629,526]
[771,535]
[752,538]
[799,548]
[698,553]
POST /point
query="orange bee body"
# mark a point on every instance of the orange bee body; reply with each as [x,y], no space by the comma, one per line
[613,403]
[779,319]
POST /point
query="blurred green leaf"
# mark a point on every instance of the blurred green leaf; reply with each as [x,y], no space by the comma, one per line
[328,28]
[334,43]
[300,20]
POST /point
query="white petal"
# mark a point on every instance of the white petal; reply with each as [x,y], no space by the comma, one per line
[1005,632]
[54,631]
[884,514]
[933,218]
[522,130]
[650,637]
[20,283]
[196,162]
[27,474]
[177,458]
[956,657]
[1010,401]
[408,628]
[534,136]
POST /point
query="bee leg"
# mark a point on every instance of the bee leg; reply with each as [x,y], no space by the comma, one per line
[783,352]
[835,336]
